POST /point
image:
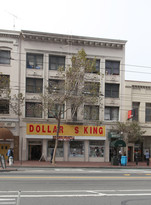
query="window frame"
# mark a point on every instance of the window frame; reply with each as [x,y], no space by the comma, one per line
[55,109]
[34,110]
[4,105]
[148,112]
[110,69]
[110,113]
[89,116]
[59,86]
[97,66]
[5,60]
[31,86]
[35,62]
[55,61]
[111,89]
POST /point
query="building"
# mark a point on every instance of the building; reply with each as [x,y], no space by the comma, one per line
[30,60]
[138,99]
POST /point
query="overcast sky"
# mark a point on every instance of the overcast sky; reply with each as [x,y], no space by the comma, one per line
[114,19]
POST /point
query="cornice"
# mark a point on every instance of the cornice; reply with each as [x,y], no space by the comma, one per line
[9,34]
[72,40]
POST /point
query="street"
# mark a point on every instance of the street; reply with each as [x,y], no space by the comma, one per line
[74,186]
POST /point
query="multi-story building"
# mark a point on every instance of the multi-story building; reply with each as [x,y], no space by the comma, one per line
[30,60]
[138,99]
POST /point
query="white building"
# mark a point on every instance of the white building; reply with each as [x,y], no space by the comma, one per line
[138,99]
[32,60]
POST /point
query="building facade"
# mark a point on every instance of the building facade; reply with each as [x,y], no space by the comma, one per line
[32,63]
[138,99]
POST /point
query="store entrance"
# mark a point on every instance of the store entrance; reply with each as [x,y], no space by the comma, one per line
[34,150]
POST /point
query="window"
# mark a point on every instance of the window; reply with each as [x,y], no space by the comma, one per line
[34,85]
[56,86]
[34,61]
[112,113]
[56,61]
[4,107]
[4,57]
[91,112]
[91,89]
[148,112]
[112,90]
[76,148]
[33,109]
[96,67]
[59,151]
[135,106]
[112,67]
[4,81]
[54,111]
[96,148]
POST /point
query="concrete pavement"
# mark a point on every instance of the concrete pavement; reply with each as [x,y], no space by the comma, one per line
[40,164]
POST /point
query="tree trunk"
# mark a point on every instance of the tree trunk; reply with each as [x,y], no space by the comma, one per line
[56,140]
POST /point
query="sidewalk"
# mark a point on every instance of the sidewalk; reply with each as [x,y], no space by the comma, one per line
[40,164]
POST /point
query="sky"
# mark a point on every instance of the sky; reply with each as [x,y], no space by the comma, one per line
[112,19]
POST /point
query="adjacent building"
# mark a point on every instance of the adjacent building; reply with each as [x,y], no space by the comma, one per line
[30,61]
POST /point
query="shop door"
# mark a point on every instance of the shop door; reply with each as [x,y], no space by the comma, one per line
[3,149]
[35,152]
[130,154]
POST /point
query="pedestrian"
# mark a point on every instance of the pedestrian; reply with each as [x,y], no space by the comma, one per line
[8,154]
[147,157]
[119,157]
[52,151]
[136,157]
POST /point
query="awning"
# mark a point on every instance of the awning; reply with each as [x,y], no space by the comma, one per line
[5,133]
[118,143]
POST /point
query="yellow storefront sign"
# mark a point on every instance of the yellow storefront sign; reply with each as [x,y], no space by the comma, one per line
[65,130]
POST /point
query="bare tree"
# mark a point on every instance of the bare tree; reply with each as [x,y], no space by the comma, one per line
[131,131]
[72,88]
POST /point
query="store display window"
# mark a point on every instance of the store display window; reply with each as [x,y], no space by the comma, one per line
[96,148]
[59,151]
[76,149]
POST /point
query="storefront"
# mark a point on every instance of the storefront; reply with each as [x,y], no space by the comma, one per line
[7,140]
[75,142]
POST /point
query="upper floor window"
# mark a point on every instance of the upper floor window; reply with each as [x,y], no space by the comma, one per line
[94,68]
[56,86]
[53,112]
[112,90]
[112,67]
[4,107]
[111,113]
[33,109]
[56,61]
[34,85]
[91,112]
[148,112]
[4,57]
[34,61]
[91,88]
[4,81]
[135,107]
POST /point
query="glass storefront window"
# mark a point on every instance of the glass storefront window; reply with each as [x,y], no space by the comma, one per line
[76,149]
[51,145]
[96,148]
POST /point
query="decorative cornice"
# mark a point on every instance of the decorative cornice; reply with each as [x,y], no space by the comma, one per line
[9,34]
[73,40]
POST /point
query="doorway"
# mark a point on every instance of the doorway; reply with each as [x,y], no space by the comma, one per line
[130,154]
[34,150]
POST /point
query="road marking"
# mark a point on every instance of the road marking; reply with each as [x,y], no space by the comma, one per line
[126,174]
[75,177]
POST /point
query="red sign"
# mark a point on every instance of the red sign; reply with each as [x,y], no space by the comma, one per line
[130,114]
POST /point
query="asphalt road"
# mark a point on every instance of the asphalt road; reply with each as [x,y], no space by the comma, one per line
[45,186]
